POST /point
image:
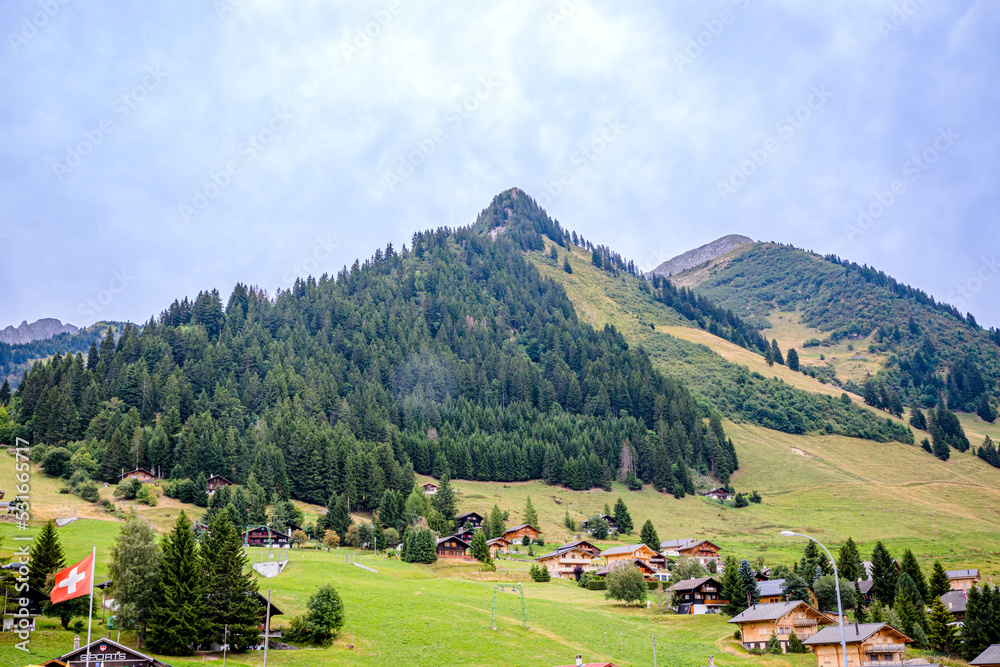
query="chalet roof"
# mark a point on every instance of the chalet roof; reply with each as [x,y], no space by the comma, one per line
[124,474]
[218,477]
[626,549]
[991,656]
[426,484]
[498,539]
[771,587]
[691,545]
[607,517]
[94,645]
[719,489]
[692,584]
[865,586]
[962,574]
[467,515]
[519,527]
[274,609]
[768,612]
[562,549]
[954,601]
[673,544]
[577,543]
[604,571]
[854,633]
[456,538]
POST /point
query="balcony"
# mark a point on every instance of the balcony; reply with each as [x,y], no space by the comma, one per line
[885,648]
[881,664]
[804,622]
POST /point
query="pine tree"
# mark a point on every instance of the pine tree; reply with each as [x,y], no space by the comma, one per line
[941,634]
[5,392]
[177,623]
[566,266]
[917,418]
[860,615]
[46,557]
[480,550]
[444,501]
[792,359]
[341,519]
[795,644]
[134,572]
[496,523]
[773,645]
[623,520]
[230,593]
[883,575]
[908,604]
[796,588]
[649,537]
[849,561]
[975,630]
[93,356]
[939,583]
[911,567]
[530,516]
[733,588]
[776,353]
[749,579]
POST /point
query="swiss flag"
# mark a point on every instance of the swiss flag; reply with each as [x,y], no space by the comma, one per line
[74,581]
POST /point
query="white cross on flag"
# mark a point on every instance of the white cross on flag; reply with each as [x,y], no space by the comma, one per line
[74,581]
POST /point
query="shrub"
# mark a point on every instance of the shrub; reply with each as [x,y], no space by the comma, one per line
[795,645]
[88,491]
[56,462]
[539,573]
[597,584]
[755,497]
[128,489]
[740,501]
[147,495]
[324,619]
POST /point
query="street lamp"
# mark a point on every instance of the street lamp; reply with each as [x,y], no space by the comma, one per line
[836,583]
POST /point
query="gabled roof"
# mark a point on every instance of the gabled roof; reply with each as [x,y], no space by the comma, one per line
[692,584]
[991,656]
[604,571]
[626,549]
[954,601]
[854,633]
[584,544]
[771,612]
[963,574]
[771,587]
[564,549]
[519,527]
[674,544]
[466,515]
[865,586]
[95,645]
[498,539]
[691,545]
[456,538]
[137,470]
[218,477]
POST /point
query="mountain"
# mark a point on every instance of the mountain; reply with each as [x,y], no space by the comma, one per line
[706,253]
[37,330]
[14,359]
[858,325]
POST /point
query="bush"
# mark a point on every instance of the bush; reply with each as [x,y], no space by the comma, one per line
[583,580]
[147,495]
[627,584]
[56,462]
[323,620]
[597,584]
[741,501]
[128,489]
[755,497]
[88,491]
[540,541]
[795,645]
[540,573]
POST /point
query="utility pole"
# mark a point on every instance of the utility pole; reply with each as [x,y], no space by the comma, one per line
[225,644]
[267,626]
[654,650]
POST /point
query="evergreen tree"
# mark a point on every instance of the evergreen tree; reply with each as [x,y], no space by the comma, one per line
[5,392]
[883,575]
[46,556]
[134,572]
[496,523]
[341,519]
[444,501]
[480,550]
[849,561]
[795,644]
[941,634]
[773,645]
[733,588]
[939,583]
[975,629]
[230,593]
[200,491]
[917,418]
[860,615]
[908,604]
[649,537]
[792,359]
[530,516]
[623,520]
[566,266]
[796,588]
[911,567]
[93,356]
[749,579]
[177,622]
[776,353]
[322,621]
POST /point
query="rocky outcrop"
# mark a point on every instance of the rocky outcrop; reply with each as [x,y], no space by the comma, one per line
[46,327]
[705,253]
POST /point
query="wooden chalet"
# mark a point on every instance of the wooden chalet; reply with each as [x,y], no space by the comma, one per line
[141,474]
[697,596]
[670,547]
[702,551]
[215,481]
[719,494]
[107,653]
[962,580]
[629,551]
[498,545]
[988,658]
[584,544]
[452,547]
[262,536]
[868,645]
[564,561]
[517,533]
[954,601]
[612,526]
[760,621]
[770,591]
[430,489]
[648,573]
[472,518]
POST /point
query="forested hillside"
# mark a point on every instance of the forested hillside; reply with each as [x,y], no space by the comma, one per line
[453,356]
[932,350]
[15,359]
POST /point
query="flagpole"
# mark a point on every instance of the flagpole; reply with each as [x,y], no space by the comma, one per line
[90,614]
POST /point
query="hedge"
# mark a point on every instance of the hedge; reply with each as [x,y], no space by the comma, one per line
[600,585]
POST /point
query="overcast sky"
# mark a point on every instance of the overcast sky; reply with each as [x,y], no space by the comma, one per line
[149,153]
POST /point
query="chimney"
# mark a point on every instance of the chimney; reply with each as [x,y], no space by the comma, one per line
[76,642]
[579,660]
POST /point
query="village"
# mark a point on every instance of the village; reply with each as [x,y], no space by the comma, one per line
[772,609]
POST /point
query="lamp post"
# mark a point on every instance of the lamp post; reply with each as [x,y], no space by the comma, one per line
[836,584]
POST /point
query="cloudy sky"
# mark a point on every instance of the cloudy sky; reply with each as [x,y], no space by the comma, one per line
[149,153]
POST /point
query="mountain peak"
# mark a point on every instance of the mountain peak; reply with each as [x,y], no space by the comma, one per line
[46,327]
[701,254]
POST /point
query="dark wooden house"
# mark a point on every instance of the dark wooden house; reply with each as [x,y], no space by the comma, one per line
[215,481]
[107,653]
[141,474]
[452,547]
[262,536]
[471,518]
[697,596]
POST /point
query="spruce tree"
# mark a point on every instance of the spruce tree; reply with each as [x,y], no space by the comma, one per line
[917,418]
[134,572]
[908,604]
[46,557]
[776,353]
[976,627]
[341,519]
[530,515]
[230,593]
[883,575]
[201,490]
[796,588]
[649,537]
[444,501]
[941,634]
[792,359]
[480,550]
[733,588]
[178,621]
[939,583]
[495,523]
[5,392]
[623,520]
[93,356]
[911,567]
[849,561]
[749,579]
[860,614]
